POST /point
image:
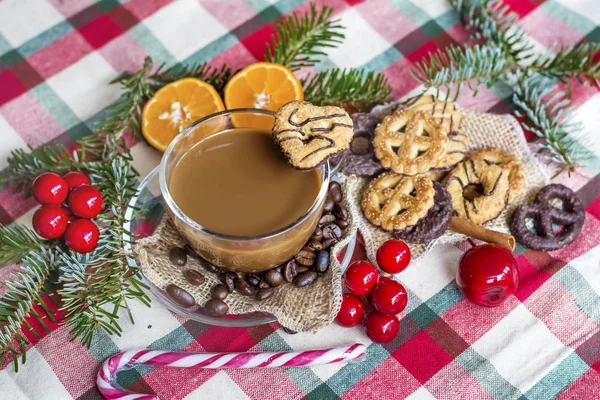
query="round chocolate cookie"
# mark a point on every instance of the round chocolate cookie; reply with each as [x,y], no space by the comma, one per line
[544,215]
[434,223]
[360,159]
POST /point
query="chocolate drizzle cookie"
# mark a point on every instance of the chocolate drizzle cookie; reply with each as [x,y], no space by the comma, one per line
[308,134]
[544,215]
[479,190]
[394,201]
[516,179]
[434,223]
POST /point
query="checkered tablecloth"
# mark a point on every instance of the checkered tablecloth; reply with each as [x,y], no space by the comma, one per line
[56,59]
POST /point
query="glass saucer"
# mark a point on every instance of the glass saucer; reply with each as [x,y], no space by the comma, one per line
[151,203]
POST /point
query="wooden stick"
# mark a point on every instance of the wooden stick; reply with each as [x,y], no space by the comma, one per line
[460,225]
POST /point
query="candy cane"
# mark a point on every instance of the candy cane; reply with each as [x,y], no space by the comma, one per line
[108,372]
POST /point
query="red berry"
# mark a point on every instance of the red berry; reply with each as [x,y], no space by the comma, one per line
[351,312]
[50,188]
[75,179]
[393,256]
[50,221]
[82,236]
[85,201]
[361,276]
[381,328]
[487,275]
[389,296]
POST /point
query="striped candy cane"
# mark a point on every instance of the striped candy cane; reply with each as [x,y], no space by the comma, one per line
[107,374]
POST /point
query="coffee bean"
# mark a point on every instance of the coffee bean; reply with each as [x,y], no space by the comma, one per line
[322,261]
[252,280]
[190,251]
[332,231]
[305,279]
[228,279]
[290,271]
[302,268]
[314,245]
[194,277]
[180,296]
[328,243]
[216,308]
[288,331]
[177,256]
[243,288]
[326,219]
[340,212]
[210,267]
[328,205]
[219,292]
[317,234]
[274,278]
[263,284]
[305,257]
[360,145]
[342,224]
[264,294]
[335,190]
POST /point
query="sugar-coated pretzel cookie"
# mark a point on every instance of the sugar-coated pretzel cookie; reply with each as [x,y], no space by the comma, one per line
[409,142]
[434,223]
[308,134]
[516,178]
[544,215]
[479,190]
[394,201]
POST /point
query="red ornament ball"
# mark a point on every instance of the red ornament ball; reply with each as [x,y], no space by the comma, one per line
[393,256]
[361,277]
[389,297]
[351,312]
[381,328]
[50,221]
[82,236]
[75,179]
[85,201]
[50,188]
[487,275]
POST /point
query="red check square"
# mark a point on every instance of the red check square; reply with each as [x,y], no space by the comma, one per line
[255,42]
[100,31]
[530,277]
[11,87]
[226,339]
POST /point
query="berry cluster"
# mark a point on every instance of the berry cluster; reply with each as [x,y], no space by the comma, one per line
[68,204]
[387,296]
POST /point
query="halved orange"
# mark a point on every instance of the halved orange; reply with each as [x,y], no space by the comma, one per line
[261,85]
[176,105]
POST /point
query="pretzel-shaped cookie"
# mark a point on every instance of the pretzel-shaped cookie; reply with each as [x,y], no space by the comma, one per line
[516,179]
[544,215]
[410,143]
[479,190]
[395,201]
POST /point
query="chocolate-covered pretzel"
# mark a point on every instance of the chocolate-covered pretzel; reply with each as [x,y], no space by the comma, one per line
[544,215]
[434,223]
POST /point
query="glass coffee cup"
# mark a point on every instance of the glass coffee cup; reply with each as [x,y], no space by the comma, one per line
[233,252]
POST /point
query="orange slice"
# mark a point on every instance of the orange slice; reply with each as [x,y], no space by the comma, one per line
[261,85]
[174,107]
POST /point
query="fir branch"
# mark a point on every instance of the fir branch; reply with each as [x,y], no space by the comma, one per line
[299,38]
[547,114]
[19,304]
[457,66]
[217,77]
[15,242]
[353,89]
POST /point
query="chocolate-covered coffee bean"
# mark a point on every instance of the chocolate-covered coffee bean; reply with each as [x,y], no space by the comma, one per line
[314,245]
[326,219]
[263,284]
[252,280]
[327,243]
[342,224]
[305,278]
[322,261]
[210,267]
[335,190]
[243,288]
[290,271]
[219,292]
[340,212]
[177,256]
[180,296]
[264,294]
[273,277]
[305,257]
[332,231]
[216,308]
[317,234]
[328,205]
[194,277]
[302,268]
[228,279]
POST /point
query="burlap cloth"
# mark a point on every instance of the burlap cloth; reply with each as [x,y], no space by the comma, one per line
[299,309]
[315,306]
